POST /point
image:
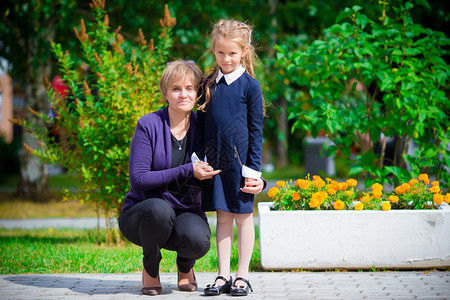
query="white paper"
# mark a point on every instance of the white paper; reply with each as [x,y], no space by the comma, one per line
[250,173]
[195,159]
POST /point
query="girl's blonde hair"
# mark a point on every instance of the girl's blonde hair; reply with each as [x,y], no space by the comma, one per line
[235,31]
[177,71]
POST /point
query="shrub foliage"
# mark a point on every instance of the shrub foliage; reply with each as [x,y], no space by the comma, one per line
[109,89]
[371,80]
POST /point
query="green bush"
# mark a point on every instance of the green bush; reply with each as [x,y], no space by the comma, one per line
[373,79]
[97,119]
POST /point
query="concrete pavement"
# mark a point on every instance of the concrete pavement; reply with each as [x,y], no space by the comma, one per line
[267,285]
[75,223]
[430,285]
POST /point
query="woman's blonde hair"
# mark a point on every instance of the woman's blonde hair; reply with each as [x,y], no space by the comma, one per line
[238,32]
[177,71]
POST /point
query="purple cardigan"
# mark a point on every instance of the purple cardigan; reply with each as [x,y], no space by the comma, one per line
[150,169]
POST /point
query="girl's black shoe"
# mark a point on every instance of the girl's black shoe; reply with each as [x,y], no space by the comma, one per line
[240,290]
[213,290]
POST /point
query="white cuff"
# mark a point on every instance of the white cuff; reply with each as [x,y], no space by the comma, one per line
[250,173]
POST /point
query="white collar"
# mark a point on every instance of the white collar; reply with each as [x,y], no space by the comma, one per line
[231,77]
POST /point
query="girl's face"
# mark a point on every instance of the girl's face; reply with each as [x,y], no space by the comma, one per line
[181,95]
[228,54]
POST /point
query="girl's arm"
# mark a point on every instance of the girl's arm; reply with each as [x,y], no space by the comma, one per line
[142,177]
[255,123]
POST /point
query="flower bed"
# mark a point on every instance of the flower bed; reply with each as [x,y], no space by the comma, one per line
[317,194]
[349,239]
[317,224]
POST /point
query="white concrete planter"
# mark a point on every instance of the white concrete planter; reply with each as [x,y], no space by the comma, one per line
[314,240]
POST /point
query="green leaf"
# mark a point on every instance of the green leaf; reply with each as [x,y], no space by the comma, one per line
[343,15]
[356,8]
[346,151]
[402,174]
[423,3]
[332,150]
[363,21]
[356,169]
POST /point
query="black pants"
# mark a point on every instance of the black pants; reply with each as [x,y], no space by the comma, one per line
[154,225]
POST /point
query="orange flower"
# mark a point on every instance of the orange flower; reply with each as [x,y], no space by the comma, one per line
[316,177]
[435,189]
[447,198]
[424,178]
[398,190]
[351,182]
[393,198]
[303,184]
[434,183]
[349,193]
[438,199]
[317,199]
[281,183]
[335,185]
[412,182]
[323,195]
[405,187]
[295,196]
[338,205]
[365,198]
[313,203]
[272,192]
[318,183]
[343,186]
[359,206]
[331,191]
[377,194]
[377,187]
[386,206]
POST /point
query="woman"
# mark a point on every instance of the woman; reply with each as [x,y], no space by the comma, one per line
[163,207]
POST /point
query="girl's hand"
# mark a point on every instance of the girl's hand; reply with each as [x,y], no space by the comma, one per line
[253,186]
[204,171]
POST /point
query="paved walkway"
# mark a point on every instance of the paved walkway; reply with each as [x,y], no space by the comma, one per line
[76,223]
[312,285]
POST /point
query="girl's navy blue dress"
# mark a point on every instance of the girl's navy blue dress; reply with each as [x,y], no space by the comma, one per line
[230,134]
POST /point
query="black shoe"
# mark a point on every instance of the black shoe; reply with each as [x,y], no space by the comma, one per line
[240,290]
[213,290]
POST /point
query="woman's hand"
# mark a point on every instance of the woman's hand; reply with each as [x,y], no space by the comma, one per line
[204,171]
[253,186]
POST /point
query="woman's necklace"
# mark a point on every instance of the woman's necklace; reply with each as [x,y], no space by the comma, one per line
[179,143]
[180,136]
[180,133]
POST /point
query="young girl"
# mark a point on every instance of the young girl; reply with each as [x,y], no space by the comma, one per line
[229,134]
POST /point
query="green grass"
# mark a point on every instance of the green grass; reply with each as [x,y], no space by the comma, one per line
[288,172]
[75,251]
[55,182]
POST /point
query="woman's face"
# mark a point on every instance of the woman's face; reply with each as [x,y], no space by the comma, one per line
[181,95]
